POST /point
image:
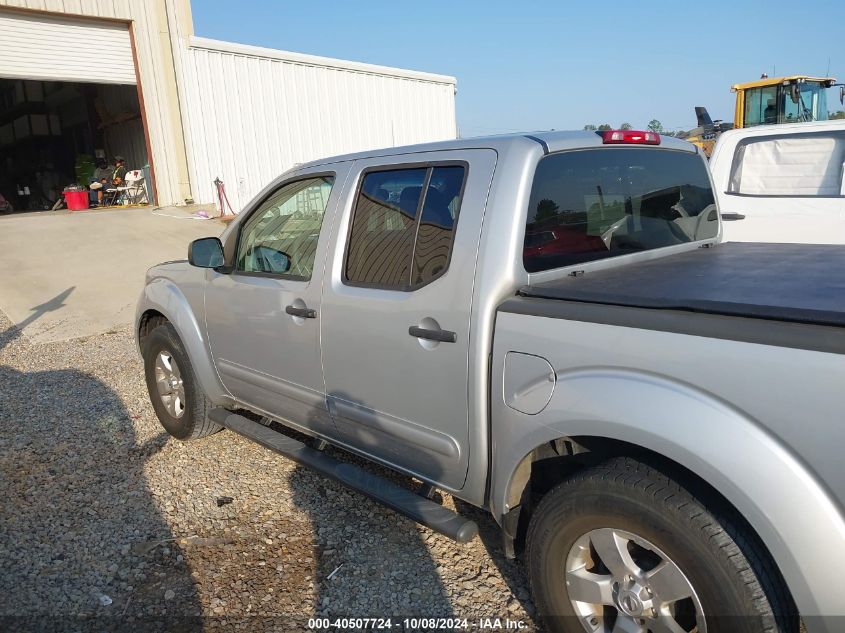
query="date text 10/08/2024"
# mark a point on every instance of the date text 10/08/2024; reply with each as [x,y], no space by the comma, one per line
[413,624]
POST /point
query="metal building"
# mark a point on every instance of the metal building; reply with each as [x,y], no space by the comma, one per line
[130,76]
[251,112]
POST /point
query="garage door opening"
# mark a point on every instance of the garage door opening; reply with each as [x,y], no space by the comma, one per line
[54,134]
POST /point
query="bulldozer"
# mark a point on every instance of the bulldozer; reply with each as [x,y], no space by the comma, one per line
[767,101]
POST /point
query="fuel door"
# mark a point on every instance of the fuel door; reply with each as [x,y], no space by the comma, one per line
[529,382]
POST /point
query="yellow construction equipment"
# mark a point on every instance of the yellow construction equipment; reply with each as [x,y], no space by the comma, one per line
[766,101]
[790,99]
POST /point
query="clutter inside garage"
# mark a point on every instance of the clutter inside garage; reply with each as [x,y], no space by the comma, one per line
[62,135]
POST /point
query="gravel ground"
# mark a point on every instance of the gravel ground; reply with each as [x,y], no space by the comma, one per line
[107,523]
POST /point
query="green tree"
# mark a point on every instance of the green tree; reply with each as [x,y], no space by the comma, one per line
[655,126]
[590,127]
[605,126]
[546,210]
[626,126]
[836,115]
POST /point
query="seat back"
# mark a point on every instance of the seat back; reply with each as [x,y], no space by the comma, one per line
[132,177]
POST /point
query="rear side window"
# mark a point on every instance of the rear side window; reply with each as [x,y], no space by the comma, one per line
[403,226]
[810,165]
[591,204]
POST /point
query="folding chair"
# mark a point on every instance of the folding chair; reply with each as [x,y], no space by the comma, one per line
[134,191]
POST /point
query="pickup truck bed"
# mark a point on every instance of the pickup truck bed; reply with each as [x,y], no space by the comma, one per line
[733,279]
[726,281]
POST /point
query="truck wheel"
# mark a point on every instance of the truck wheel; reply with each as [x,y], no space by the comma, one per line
[622,548]
[178,400]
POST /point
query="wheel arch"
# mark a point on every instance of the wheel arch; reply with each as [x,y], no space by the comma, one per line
[555,461]
[716,449]
[162,301]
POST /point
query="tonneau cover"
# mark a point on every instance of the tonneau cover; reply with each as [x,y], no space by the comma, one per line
[802,283]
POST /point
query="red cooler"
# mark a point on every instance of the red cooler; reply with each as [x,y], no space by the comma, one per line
[76,200]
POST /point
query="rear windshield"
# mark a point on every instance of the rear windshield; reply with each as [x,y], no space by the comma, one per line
[596,203]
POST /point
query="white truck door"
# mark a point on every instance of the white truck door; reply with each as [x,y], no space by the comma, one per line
[782,185]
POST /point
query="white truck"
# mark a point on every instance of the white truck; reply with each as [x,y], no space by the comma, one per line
[782,183]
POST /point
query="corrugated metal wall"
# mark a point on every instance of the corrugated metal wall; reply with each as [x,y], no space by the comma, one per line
[158,79]
[252,113]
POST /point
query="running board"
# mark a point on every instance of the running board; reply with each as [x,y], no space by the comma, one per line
[402,500]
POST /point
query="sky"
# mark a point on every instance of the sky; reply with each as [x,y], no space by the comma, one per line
[539,65]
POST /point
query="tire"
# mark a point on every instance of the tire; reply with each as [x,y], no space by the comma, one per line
[624,506]
[184,411]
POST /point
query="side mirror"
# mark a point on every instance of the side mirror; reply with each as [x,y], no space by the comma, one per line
[794,93]
[206,252]
[842,95]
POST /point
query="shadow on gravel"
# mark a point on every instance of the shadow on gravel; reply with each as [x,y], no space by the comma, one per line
[512,570]
[371,561]
[76,506]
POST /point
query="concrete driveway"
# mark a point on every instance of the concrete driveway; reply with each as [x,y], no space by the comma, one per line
[68,275]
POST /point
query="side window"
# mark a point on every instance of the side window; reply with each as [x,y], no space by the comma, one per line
[280,238]
[403,226]
[437,224]
[761,106]
[790,165]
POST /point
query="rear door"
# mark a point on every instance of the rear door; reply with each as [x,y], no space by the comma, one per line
[783,186]
[263,318]
[396,309]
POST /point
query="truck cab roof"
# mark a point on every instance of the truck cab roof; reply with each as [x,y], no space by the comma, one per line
[776,81]
[549,141]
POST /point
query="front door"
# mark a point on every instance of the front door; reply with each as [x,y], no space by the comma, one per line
[396,309]
[263,318]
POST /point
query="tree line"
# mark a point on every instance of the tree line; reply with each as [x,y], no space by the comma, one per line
[653,126]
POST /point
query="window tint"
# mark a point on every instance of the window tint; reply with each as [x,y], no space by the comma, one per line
[591,204]
[381,240]
[434,238]
[400,236]
[281,236]
[789,165]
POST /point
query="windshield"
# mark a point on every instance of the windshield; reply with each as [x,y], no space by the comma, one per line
[591,204]
[775,104]
[811,104]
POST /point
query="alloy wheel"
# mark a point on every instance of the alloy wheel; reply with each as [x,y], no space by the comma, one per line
[619,582]
[169,383]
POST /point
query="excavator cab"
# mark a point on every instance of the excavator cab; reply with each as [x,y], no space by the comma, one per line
[793,99]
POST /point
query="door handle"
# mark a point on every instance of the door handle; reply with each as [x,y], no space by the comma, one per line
[442,336]
[732,217]
[305,313]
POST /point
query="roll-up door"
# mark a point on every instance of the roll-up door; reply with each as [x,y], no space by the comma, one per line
[58,48]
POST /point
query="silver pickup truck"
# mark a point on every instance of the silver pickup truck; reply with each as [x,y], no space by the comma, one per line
[545,326]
